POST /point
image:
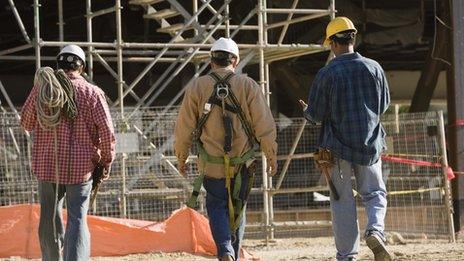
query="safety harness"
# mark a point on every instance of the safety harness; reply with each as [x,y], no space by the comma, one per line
[238,183]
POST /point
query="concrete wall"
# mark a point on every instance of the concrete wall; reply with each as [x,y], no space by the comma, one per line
[403,84]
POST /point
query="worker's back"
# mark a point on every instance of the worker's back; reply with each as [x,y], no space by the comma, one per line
[357,91]
[78,139]
[253,104]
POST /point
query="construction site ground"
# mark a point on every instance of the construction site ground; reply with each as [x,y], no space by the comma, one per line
[323,249]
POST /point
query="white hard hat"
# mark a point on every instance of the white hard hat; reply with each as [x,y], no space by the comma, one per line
[73,49]
[226,45]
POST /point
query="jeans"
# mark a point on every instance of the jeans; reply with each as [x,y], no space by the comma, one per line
[371,187]
[216,206]
[75,243]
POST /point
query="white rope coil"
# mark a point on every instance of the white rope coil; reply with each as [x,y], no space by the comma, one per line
[50,99]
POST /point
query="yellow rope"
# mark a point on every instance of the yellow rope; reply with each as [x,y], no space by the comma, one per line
[404,192]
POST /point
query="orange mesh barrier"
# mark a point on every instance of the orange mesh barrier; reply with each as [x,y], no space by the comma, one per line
[184,231]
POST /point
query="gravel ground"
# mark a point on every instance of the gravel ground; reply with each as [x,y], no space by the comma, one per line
[321,249]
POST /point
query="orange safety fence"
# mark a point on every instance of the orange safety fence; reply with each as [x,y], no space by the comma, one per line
[184,231]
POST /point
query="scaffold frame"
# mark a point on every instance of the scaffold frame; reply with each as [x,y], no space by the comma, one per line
[178,53]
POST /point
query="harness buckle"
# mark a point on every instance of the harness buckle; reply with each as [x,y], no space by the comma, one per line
[207,108]
[222,91]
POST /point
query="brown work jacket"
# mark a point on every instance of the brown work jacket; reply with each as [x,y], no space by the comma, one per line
[254,106]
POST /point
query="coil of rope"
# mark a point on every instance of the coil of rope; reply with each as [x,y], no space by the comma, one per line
[55,98]
[56,93]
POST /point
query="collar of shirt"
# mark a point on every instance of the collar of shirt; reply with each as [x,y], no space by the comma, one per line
[347,56]
[222,70]
[74,75]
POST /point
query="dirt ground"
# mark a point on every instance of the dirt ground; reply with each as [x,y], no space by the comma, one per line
[321,249]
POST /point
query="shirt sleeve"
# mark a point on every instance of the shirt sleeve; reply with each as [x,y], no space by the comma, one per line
[385,95]
[319,97]
[186,124]
[262,121]
[104,124]
[28,112]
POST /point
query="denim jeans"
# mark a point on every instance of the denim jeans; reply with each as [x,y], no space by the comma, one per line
[75,243]
[216,206]
[371,187]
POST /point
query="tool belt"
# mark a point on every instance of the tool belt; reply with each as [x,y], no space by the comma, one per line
[323,158]
[238,183]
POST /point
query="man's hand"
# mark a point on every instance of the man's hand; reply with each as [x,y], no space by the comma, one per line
[106,172]
[96,159]
[183,167]
[271,166]
[303,104]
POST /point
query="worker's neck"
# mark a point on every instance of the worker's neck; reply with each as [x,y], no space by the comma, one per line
[216,67]
[343,49]
[74,72]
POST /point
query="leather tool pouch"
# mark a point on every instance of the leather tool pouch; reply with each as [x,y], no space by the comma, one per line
[323,158]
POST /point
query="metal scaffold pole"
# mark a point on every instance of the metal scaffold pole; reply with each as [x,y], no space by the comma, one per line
[120,85]
[88,9]
[262,83]
[37,33]
[265,67]
[446,182]
[20,22]
[60,21]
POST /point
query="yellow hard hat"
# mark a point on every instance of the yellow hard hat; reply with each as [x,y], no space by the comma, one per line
[337,25]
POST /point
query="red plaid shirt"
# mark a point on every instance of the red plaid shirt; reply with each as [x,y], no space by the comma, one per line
[80,143]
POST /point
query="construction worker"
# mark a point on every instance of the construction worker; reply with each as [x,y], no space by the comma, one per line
[69,141]
[348,96]
[226,115]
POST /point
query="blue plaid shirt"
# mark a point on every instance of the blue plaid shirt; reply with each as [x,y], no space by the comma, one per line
[348,96]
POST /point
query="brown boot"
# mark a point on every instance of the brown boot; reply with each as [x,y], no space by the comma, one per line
[376,244]
[226,258]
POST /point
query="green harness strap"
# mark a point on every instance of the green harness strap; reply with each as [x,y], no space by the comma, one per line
[207,158]
[220,160]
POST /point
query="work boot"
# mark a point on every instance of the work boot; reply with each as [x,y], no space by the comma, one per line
[226,258]
[376,244]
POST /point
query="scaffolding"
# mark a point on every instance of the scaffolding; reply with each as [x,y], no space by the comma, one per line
[178,52]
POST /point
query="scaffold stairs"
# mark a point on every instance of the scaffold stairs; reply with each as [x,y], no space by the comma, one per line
[161,17]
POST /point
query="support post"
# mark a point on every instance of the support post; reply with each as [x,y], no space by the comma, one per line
[434,63]
[455,82]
